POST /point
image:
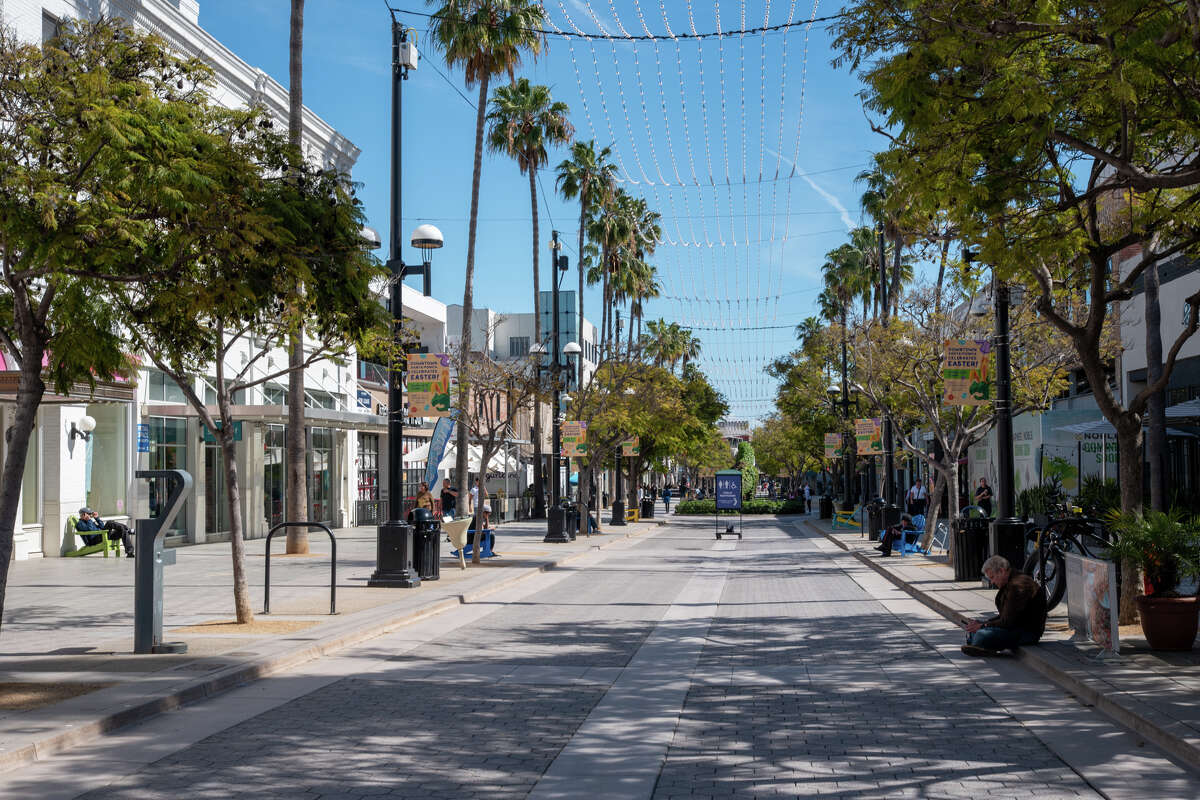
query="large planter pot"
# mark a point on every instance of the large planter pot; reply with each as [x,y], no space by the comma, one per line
[1170,623]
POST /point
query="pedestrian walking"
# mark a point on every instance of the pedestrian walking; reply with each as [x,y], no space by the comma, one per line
[666,497]
[807,498]
[916,498]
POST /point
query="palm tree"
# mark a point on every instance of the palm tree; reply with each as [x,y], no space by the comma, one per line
[485,38]
[689,348]
[589,176]
[524,119]
[296,484]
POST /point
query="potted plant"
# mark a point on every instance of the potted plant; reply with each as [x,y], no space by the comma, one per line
[1166,547]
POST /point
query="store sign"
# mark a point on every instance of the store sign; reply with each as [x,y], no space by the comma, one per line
[868,434]
[574,439]
[833,445]
[210,439]
[364,399]
[143,438]
[966,373]
[632,447]
[428,382]
[729,490]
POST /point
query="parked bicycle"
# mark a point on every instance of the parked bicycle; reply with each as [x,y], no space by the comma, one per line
[1047,544]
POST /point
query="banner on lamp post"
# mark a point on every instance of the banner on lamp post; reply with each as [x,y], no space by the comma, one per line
[574,439]
[428,381]
[833,445]
[966,373]
[868,434]
[632,447]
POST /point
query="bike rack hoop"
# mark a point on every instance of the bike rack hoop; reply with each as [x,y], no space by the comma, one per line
[332,563]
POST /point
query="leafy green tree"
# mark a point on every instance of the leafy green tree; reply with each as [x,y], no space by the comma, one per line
[277,228]
[112,152]
[1065,132]
[746,463]
[486,38]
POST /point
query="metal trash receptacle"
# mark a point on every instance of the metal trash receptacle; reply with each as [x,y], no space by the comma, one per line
[826,505]
[970,547]
[647,508]
[874,521]
[427,544]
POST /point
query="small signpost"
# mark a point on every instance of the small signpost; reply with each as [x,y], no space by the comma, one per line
[729,498]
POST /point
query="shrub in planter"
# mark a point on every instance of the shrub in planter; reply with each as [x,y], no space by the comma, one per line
[748,507]
[1166,547]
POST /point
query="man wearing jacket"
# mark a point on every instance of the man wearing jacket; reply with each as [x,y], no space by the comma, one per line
[1021,602]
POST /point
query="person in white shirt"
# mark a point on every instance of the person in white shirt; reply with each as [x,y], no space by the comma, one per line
[485,512]
[916,498]
[807,497]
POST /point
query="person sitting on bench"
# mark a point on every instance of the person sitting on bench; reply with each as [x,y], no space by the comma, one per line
[90,521]
[895,532]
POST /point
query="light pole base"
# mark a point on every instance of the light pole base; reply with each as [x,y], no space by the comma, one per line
[618,513]
[394,557]
[1006,537]
[555,526]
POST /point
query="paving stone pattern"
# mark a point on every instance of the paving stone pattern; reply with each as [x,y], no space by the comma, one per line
[804,686]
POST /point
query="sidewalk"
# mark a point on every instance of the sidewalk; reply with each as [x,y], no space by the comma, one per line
[68,674]
[1152,693]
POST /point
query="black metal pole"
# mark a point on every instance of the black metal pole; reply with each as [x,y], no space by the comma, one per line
[394,538]
[555,518]
[1007,533]
[891,514]
[618,504]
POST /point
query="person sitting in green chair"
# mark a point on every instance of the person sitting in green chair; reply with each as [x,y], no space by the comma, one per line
[89,520]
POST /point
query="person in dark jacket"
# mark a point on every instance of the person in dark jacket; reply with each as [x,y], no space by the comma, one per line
[904,528]
[1021,602]
[90,521]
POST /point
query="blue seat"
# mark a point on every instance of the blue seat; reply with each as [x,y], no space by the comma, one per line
[486,542]
[904,546]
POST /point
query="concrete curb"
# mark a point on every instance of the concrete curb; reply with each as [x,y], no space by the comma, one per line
[372,624]
[1181,748]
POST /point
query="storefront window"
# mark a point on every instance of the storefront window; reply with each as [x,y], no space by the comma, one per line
[168,450]
[320,476]
[31,481]
[274,475]
[107,480]
[368,466]
[162,388]
[216,506]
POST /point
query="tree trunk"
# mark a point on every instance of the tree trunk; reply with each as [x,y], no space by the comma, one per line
[1129,468]
[297,476]
[539,496]
[233,497]
[1156,433]
[29,395]
[894,290]
[585,492]
[941,278]
[933,509]
[460,462]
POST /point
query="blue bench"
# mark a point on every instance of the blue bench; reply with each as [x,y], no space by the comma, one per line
[486,543]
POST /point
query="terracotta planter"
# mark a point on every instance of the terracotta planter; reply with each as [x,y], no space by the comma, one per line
[1170,623]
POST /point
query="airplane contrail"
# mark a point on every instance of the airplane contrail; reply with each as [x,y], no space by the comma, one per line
[829,198]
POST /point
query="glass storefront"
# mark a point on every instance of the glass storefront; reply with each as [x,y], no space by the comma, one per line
[368,466]
[106,475]
[216,505]
[320,475]
[274,474]
[168,450]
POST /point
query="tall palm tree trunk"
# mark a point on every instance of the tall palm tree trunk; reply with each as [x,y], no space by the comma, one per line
[539,486]
[297,474]
[583,190]
[460,462]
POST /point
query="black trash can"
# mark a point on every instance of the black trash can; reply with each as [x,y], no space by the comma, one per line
[571,518]
[970,547]
[874,520]
[1007,538]
[427,544]
[826,504]
[648,508]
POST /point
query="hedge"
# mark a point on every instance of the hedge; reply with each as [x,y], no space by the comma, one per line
[700,507]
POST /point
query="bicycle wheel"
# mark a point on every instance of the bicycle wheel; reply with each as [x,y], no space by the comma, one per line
[1054,581]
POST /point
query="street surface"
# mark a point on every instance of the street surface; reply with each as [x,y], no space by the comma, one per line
[673,665]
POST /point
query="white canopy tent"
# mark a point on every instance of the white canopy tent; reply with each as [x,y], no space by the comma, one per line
[497,463]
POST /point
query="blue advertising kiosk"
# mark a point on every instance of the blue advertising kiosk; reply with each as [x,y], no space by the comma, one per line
[729,498]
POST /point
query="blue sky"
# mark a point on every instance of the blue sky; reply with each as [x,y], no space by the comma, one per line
[748,146]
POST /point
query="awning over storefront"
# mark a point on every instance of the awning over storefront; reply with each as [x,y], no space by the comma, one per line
[81,392]
[1103,426]
[328,417]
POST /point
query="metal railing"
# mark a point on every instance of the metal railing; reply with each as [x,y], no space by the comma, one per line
[332,564]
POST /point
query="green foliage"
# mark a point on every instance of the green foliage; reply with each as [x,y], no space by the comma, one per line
[1165,545]
[1041,500]
[746,464]
[700,507]
[1099,496]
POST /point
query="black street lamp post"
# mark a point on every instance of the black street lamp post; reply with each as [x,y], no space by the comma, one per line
[848,447]
[394,538]
[556,531]
[1007,534]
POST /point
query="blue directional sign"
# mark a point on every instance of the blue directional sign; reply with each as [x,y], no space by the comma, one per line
[729,490]
[143,438]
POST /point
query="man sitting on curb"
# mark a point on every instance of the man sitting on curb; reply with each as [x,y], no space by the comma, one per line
[1021,602]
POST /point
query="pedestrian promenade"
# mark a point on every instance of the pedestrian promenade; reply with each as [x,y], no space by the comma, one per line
[68,673]
[1153,693]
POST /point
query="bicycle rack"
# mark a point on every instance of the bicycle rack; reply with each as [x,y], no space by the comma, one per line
[332,564]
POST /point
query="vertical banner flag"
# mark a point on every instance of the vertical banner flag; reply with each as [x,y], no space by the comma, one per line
[632,447]
[428,382]
[574,439]
[442,431]
[966,373]
[729,490]
[833,445]
[868,433]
